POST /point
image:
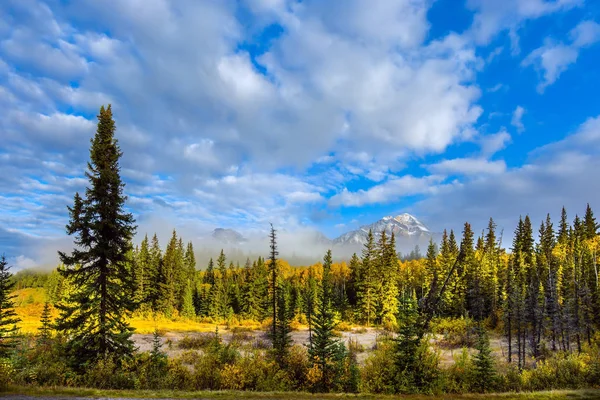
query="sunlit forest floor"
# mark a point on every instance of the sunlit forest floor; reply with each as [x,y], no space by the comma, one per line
[76,393]
[30,304]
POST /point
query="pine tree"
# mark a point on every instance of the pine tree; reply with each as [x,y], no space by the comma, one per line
[8,317]
[45,330]
[219,294]
[142,274]
[273,284]
[355,276]
[325,351]
[282,338]
[483,362]
[280,329]
[188,309]
[209,275]
[155,289]
[406,344]
[310,303]
[389,284]
[367,286]
[94,319]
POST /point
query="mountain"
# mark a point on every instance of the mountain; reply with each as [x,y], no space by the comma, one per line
[409,231]
[228,236]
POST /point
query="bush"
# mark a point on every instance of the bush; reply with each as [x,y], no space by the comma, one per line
[104,374]
[354,346]
[196,342]
[343,326]
[459,377]
[6,372]
[563,371]
[456,332]
[377,375]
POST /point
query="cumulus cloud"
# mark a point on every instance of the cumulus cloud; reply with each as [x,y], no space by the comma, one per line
[554,58]
[569,164]
[493,17]
[219,128]
[394,189]
[517,118]
[468,166]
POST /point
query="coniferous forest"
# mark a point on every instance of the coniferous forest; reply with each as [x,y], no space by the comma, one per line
[469,316]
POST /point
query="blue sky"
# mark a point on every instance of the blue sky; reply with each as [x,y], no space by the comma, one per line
[308,114]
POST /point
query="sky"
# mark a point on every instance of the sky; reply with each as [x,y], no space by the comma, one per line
[311,115]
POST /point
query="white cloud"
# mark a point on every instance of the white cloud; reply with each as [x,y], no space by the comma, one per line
[554,58]
[569,164]
[517,118]
[394,189]
[585,34]
[494,16]
[468,166]
[491,144]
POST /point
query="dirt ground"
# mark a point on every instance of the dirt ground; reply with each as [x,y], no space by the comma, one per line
[366,338]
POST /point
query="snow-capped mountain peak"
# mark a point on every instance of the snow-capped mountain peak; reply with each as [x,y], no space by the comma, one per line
[403,225]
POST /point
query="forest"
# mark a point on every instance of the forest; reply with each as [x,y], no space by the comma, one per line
[518,319]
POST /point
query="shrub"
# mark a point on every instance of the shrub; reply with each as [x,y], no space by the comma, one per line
[6,372]
[456,332]
[104,374]
[377,375]
[355,346]
[459,377]
[196,342]
[343,326]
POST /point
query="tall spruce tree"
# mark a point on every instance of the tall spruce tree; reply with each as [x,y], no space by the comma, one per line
[94,318]
[367,284]
[280,310]
[8,317]
[325,351]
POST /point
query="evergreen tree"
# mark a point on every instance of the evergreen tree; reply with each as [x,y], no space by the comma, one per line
[143,279]
[325,351]
[310,304]
[352,288]
[8,317]
[483,361]
[155,289]
[389,283]
[367,285]
[280,303]
[282,336]
[219,293]
[188,309]
[209,275]
[45,330]
[94,319]
[406,345]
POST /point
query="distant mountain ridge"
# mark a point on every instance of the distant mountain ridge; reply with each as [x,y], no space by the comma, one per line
[408,230]
[228,236]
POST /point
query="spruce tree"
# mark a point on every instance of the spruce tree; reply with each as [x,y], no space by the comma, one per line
[94,318]
[155,289]
[8,317]
[483,362]
[407,344]
[45,330]
[367,285]
[325,351]
[188,309]
[142,273]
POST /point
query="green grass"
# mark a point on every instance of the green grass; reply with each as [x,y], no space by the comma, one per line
[225,395]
